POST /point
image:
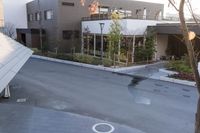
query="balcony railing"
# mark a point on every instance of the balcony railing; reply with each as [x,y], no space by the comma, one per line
[108,17]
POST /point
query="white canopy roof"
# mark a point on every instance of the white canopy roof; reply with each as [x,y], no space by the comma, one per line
[13,56]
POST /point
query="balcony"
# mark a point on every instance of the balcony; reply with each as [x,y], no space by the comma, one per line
[108,17]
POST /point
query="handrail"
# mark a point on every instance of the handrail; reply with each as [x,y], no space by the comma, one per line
[106,17]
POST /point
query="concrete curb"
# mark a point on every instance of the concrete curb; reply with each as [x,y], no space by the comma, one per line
[74,63]
[178,81]
[173,80]
[118,70]
[167,71]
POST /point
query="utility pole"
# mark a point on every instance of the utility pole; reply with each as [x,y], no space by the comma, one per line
[40,23]
[101,27]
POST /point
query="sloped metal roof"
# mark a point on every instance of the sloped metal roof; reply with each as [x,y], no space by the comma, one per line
[13,56]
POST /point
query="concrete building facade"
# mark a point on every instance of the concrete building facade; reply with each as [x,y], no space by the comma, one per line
[170,42]
[61,20]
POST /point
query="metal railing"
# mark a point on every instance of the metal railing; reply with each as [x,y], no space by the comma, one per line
[107,17]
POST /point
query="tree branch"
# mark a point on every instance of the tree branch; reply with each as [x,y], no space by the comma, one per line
[192,13]
[172,2]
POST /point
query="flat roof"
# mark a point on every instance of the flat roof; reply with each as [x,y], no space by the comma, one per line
[174,28]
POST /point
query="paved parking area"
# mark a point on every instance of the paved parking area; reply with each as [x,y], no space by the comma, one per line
[25,119]
[148,105]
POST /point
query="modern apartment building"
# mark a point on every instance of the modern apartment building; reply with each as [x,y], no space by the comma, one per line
[62,23]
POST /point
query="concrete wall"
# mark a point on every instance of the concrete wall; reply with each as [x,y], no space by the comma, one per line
[50,26]
[161,46]
[133,5]
[129,26]
[69,18]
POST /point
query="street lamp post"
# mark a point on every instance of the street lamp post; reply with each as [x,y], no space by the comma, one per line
[101,27]
[40,23]
[87,32]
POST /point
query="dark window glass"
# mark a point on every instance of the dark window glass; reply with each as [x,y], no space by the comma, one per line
[76,34]
[67,4]
[67,34]
[37,16]
[30,17]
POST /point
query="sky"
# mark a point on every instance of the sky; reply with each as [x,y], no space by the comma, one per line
[195,4]
[15,12]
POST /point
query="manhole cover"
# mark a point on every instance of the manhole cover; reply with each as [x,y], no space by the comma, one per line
[103,128]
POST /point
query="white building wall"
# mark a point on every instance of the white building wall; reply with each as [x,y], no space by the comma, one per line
[129,26]
[15,12]
[161,46]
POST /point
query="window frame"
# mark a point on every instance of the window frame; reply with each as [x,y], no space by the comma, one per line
[67,34]
[37,16]
[72,4]
[30,17]
[46,14]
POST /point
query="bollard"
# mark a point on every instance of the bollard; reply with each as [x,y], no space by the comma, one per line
[7,92]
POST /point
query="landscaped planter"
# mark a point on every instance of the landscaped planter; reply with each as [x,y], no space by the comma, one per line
[173,77]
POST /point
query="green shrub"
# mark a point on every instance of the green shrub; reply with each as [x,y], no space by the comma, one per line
[107,62]
[179,66]
[88,59]
[92,60]
[63,56]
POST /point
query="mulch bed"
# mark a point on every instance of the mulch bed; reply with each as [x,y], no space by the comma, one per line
[183,76]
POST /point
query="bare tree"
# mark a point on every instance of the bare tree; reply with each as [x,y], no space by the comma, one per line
[9,30]
[190,49]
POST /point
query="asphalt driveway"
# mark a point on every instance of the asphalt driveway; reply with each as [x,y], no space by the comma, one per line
[148,105]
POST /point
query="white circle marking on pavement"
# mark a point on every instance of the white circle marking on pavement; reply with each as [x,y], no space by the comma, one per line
[103,124]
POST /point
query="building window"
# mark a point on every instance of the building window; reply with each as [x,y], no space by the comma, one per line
[103,10]
[76,34]
[30,17]
[128,13]
[48,15]
[37,16]
[67,34]
[67,4]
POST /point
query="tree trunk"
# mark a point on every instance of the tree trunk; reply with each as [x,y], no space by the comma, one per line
[197,123]
[192,60]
